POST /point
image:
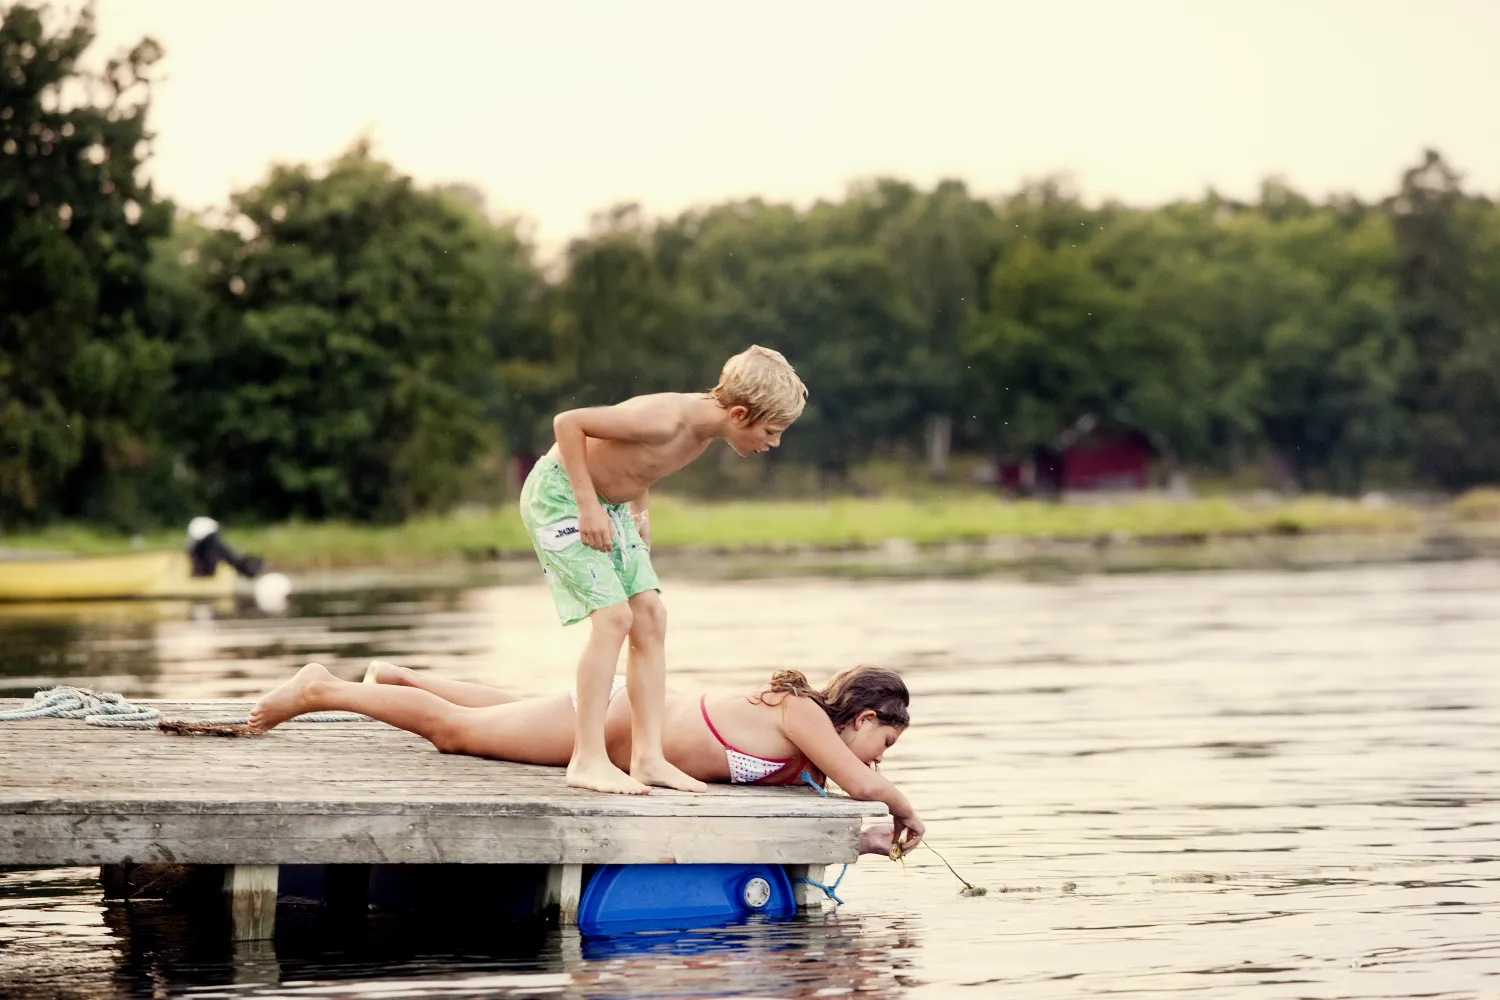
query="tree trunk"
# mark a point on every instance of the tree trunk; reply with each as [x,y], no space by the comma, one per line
[939,441]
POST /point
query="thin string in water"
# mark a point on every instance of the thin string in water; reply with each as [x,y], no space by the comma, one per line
[969,889]
[897,854]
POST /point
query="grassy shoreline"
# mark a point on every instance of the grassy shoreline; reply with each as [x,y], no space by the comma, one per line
[784,526]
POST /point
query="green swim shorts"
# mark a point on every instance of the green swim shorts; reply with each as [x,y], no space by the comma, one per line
[582,579]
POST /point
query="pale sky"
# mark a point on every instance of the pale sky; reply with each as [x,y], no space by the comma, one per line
[558,110]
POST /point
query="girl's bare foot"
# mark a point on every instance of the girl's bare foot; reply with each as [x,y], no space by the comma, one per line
[287,700]
[603,777]
[658,772]
[381,672]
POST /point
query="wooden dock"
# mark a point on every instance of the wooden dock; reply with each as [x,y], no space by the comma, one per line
[362,793]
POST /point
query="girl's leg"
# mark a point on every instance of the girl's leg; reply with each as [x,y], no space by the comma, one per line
[534,731]
[458,692]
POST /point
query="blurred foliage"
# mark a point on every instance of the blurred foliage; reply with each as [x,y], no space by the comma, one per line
[83,372]
[1482,504]
[341,342]
[335,371]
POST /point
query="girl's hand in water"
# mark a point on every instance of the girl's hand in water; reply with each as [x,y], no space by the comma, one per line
[876,839]
[912,827]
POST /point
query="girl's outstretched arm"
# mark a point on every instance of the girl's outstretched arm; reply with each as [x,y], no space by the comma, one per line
[808,726]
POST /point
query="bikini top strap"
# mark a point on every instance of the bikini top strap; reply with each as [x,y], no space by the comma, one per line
[703,707]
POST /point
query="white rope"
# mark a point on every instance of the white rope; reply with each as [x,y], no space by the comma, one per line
[105,708]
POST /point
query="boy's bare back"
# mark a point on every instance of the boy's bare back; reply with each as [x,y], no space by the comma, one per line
[631,445]
[612,454]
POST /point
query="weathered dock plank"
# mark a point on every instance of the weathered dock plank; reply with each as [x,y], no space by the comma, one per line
[365,793]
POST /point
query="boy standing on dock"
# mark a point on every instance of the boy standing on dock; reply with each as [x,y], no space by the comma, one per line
[586,505]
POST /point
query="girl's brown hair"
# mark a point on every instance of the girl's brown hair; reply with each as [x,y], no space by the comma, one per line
[850,692]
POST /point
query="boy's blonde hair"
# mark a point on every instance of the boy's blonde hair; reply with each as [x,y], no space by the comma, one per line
[764,383]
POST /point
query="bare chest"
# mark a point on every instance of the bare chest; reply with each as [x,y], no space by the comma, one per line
[624,470]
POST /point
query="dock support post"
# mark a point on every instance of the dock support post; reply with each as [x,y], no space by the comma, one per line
[255,963]
[563,888]
[808,897]
[250,891]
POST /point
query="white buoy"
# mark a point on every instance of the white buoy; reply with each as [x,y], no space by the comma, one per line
[271,590]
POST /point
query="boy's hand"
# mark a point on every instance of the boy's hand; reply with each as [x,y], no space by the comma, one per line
[643,527]
[595,527]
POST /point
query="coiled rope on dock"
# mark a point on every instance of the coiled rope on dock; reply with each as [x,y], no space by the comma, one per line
[106,708]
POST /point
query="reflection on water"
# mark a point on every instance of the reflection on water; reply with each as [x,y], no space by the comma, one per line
[1234,785]
[81,948]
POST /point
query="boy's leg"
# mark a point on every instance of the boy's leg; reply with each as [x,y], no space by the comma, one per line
[646,680]
[646,667]
[585,583]
[591,766]
[458,692]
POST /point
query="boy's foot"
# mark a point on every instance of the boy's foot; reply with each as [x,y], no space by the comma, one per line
[381,672]
[658,772]
[288,699]
[604,777]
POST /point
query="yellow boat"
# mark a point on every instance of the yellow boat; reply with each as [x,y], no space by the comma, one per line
[157,573]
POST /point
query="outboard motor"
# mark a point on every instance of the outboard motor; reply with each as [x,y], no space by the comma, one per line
[206,550]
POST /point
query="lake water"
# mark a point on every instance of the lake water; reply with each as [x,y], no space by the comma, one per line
[1246,785]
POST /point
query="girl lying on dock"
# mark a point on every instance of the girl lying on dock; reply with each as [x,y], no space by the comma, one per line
[768,737]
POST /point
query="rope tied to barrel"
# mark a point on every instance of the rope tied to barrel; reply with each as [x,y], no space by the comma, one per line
[807,779]
[831,891]
[107,708]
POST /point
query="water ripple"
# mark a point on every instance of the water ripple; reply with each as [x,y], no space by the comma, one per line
[1238,785]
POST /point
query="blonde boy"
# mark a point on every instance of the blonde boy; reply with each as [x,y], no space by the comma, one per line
[586,505]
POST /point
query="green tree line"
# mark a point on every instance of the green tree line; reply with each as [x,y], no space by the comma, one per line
[340,341]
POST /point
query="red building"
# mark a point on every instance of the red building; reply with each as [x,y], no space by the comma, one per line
[1091,461]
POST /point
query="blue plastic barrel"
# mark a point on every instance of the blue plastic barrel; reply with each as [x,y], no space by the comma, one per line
[622,898]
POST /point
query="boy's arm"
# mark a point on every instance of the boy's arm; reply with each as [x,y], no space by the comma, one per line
[640,509]
[648,421]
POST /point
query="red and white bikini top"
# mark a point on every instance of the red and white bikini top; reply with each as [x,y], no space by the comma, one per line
[748,769]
